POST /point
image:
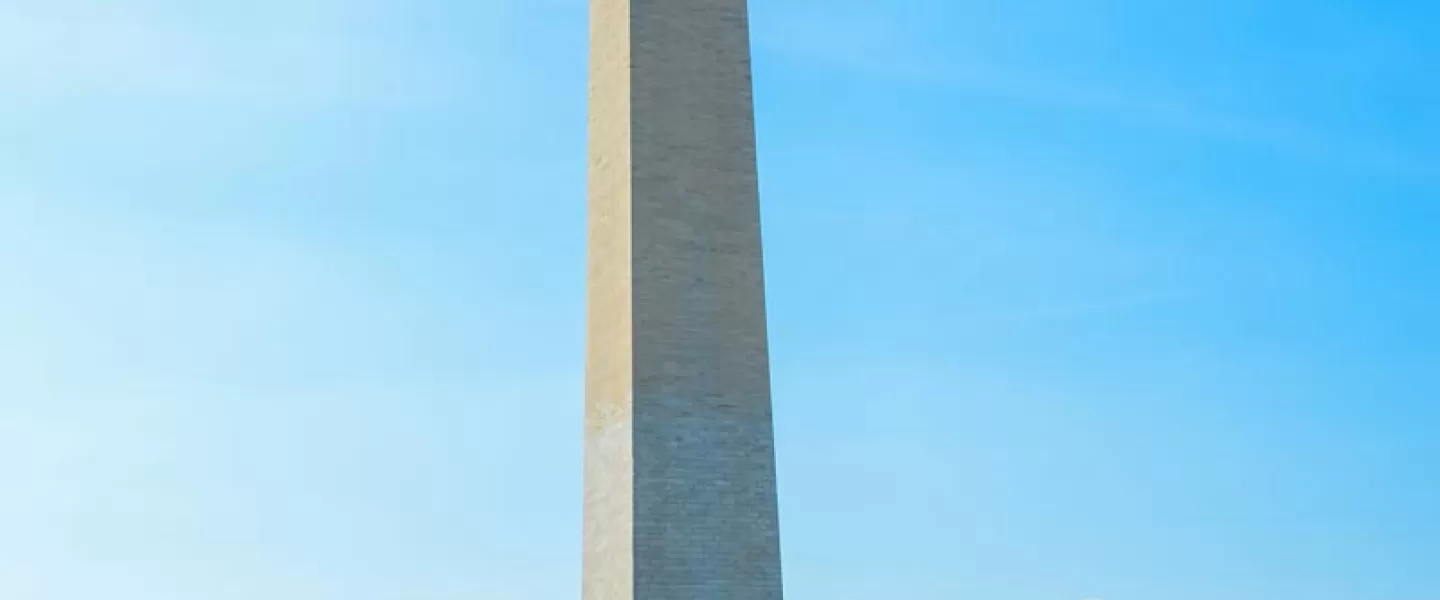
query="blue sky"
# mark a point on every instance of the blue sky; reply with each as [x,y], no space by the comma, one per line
[1115,299]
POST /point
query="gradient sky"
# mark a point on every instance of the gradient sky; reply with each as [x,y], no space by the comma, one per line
[1116,299]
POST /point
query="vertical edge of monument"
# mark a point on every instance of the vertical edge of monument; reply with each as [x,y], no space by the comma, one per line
[609,499]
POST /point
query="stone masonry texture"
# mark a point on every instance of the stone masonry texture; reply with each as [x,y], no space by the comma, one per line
[680,497]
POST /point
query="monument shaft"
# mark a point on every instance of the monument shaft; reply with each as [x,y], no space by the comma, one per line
[680,499]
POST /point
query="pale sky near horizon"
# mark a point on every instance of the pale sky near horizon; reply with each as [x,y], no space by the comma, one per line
[1119,299]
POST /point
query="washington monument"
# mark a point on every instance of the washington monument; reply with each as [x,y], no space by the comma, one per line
[680,500]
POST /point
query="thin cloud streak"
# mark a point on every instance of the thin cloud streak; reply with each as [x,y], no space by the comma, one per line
[865,45]
[155,55]
[1082,309]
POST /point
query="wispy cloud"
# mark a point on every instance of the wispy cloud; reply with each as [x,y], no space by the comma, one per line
[880,44]
[49,53]
[1060,311]
[187,404]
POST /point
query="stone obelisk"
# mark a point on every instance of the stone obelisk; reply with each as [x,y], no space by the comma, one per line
[680,499]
